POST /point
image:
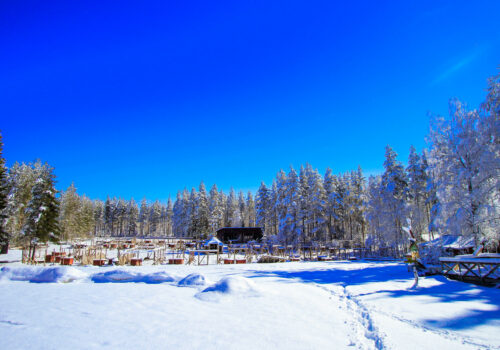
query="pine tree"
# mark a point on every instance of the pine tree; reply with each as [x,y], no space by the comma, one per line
[154,218]
[192,206]
[21,179]
[316,205]
[417,189]
[216,209]
[143,217]
[4,235]
[98,209]
[43,209]
[178,219]
[250,210]
[292,225]
[68,218]
[242,209]
[329,185]
[395,195]
[170,216]
[262,207]
[280,206]
[202,211]
[233,218]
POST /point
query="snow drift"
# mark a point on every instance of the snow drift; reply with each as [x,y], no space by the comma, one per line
[192,280]
[123,276]
[229,286]
[61,274]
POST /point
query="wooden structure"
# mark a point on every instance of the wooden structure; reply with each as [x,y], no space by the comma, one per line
[240,234]
[136,262]
[483,268]
[235,261]
[202,256]
[176,261]
[99,262]
[67,260]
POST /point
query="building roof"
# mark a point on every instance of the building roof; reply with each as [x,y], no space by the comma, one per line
[213,240]
[452,242]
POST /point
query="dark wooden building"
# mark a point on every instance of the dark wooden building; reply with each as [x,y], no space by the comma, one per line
[239,234]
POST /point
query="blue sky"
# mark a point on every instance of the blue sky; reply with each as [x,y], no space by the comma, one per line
[143,99]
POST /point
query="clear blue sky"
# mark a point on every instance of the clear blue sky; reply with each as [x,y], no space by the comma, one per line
[145,98]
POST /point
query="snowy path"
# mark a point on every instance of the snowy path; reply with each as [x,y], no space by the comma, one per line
[344,305]
[362,332]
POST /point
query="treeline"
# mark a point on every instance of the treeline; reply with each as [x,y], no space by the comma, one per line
[453,187]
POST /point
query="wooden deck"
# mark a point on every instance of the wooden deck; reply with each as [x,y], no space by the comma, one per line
[481,269]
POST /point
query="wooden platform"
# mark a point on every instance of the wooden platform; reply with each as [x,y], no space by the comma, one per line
[482,269]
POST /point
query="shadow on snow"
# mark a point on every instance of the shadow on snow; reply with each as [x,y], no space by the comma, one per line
[446,291]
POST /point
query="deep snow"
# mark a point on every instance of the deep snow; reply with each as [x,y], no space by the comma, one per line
[341,305]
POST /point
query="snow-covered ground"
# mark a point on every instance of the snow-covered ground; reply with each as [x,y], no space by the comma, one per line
[339,305]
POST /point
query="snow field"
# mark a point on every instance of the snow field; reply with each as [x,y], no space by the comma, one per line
[344,305]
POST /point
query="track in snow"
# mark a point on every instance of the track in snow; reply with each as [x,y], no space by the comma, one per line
[364,334]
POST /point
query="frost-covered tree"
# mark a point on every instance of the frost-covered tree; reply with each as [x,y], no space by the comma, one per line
[68,218]
[338,200]
[202,211]
[290,225]
[394,194]
[154,218]
[20,181]
[374,214]
[169,217]
[4,235]
[316,201]
[280,206]
[178,218]
[43,209]
[262,207]
[98,208]
[465,160]
[216,209]
[418,182]
[132,218]
[356,206]
[232,212]
[250,210]
[143,217]
[242,209]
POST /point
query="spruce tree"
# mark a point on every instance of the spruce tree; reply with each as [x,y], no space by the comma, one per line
[4,236]
[43,210]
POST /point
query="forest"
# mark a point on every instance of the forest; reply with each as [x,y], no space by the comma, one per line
[451,187]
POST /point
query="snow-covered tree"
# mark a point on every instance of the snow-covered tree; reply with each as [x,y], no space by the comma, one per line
[232,213]
[262,207]
[216,209]
[250,210]
[169,217]
[202,211]
[43,209]
[418,193]
[465,160]
[4,235]
[178,220]
[143,217]
[132,218]
[394,193]
[290,224]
